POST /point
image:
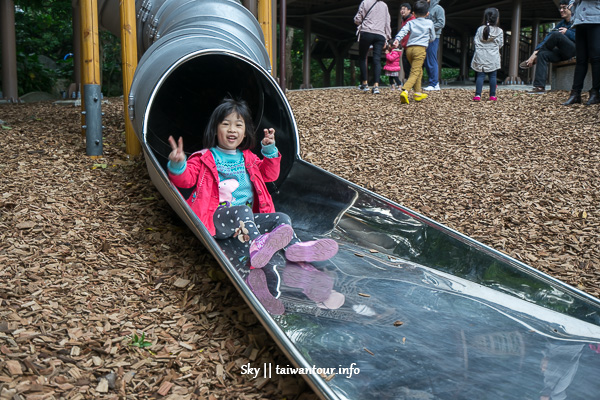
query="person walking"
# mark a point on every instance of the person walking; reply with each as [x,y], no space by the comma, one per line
[374,29]
[392,66]
[421,33]
[438,16]
[407,15]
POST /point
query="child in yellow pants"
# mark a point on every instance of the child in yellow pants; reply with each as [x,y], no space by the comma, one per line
[422,33]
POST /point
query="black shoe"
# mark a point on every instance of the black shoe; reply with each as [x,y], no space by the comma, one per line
[574,98]
[375,90]
[594,97]
[537,90]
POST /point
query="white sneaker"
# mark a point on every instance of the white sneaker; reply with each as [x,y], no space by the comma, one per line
[429,88]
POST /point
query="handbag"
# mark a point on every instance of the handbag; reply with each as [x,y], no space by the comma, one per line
[358,28]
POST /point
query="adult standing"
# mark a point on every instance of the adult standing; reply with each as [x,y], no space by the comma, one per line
[587,49]
[373,20]
[407,15]
[438,16]
[558,45]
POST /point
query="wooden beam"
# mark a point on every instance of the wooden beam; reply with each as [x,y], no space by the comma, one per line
[129,64]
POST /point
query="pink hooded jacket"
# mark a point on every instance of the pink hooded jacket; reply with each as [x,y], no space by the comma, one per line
[392,61]
[201,174]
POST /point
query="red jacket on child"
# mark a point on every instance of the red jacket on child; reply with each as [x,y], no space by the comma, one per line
[201,174]
[392,61]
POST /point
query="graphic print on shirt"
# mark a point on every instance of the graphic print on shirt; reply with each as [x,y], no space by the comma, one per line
[226,189]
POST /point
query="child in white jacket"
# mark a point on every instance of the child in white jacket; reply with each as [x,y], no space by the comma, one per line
[486,60]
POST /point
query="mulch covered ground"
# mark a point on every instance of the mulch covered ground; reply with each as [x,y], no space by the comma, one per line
[91,256]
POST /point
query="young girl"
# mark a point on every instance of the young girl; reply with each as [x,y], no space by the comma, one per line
[392,66]
[229,192]
[488,41]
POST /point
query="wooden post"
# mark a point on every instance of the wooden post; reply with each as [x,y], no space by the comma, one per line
[306,57]
[251,6]
[515,37]
[282,42]
[77,49]
[265,14]
[274,47]
[464,52]
[91,96]
[10,89]
[535,37]
[90,46]
[129,64]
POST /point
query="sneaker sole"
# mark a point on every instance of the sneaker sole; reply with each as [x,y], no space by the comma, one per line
[316,285]
[276,241]
[335,301]
[318,250]
[403,98]
[257,282]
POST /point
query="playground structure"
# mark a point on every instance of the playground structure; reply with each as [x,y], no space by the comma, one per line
[331,42]
[476,322]
[479,320]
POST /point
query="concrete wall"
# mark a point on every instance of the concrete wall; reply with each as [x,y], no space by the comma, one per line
[561,77]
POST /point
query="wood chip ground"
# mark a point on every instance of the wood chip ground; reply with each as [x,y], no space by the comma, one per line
[90,253]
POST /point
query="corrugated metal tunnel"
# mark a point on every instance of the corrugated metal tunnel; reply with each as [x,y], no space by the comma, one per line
[193,54]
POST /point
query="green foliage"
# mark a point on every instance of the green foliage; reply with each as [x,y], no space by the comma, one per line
[139,341]
[317,78]
[32,75]
[112,78]
[44,28]
[41,28]
[450,73]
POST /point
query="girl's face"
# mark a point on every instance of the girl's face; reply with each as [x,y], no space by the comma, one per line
[231,132]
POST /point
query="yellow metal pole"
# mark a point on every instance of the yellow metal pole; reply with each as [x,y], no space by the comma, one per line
[265,18]
[129,60]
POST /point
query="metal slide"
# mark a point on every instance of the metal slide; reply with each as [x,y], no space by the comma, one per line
[422,311]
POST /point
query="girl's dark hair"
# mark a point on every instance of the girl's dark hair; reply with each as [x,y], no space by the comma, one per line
[490,18]
[228,106]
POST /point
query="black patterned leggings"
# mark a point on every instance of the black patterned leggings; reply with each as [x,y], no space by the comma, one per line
[227,222]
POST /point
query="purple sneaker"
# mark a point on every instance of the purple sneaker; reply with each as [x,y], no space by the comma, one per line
[257,282]
[264,246]
[315,284]
[315,250]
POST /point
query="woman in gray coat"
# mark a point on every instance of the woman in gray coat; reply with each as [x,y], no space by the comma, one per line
[587,49]
[486,60]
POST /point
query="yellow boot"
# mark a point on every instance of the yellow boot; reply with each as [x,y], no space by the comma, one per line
[404,97]
[420,96]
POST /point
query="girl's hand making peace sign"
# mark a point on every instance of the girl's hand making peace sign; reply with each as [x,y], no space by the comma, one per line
[177,154]
[269,137]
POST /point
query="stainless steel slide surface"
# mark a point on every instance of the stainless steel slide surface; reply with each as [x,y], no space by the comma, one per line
[417,311]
